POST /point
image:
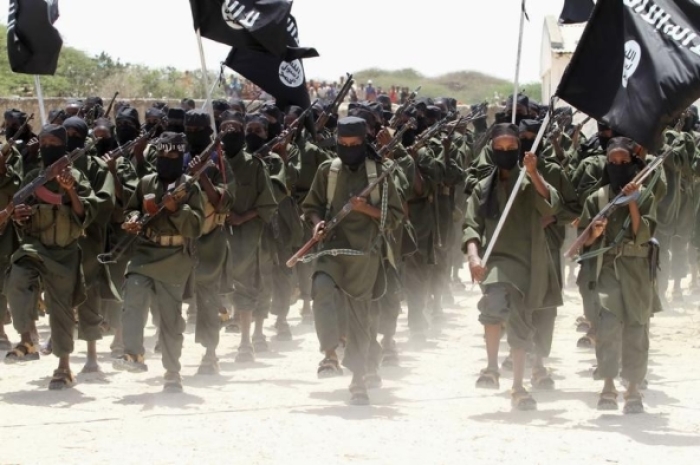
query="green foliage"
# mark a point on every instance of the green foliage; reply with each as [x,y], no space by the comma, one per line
[465,86]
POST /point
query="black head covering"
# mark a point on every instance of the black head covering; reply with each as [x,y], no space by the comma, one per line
[621,143]
[15,114]
[176,115]
[424,102]
[385,101]
[433,111]
[55,130]
[187,101]
[363,113]
[78,124]
[351,126]
[530,125]
[198,118]
[74,102]
[504,129]
[56,114]
[154,112]
[162,106]
[220,105]
[534,106]
[129,114]
[523,100]
[294,110]
[172,142]
[602,126]
[237,104]
[229,115]
[257,118]
[270,109]
[92,101]
[105,123]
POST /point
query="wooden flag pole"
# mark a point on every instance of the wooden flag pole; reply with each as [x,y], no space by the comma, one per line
[514,193]
[40,96]
[516,83]
[205,79]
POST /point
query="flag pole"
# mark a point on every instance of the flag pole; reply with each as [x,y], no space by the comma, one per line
[514,193]
[517,60]
[205,79]
[211,91]
[40,96]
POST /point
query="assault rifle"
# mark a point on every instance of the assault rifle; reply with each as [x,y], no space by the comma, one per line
[122,149]
[13,140]
[394,122]
[153,211]
[286,136]
[391,146]
[111,104]
[620,200]
[431,132]
[576,135]
[345,211]
[49,173]
[332,109]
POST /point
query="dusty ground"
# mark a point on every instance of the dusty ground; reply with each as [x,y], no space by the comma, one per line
[276,411]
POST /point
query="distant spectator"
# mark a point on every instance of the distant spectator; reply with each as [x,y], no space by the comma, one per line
[404,95]
[370,92]
[187,104]
[361,92]
[392,95]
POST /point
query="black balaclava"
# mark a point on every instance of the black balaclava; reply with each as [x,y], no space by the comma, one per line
[480,124]
[198,130]
[528,125]
[273,129]
[505,159]
[238,105]
[523,104]
[352,126]
[106,144]
[154,113]
[253,141]
[18,118]
[233,140]
[79,125]
[176,120]
[364,113]
[169,170]
[621,175]
[602,127]
[433,114]
[51,153]
[219,106]
[409,137]
[127,132]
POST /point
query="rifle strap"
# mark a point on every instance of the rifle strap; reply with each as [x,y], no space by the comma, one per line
[336,165]
[46,196]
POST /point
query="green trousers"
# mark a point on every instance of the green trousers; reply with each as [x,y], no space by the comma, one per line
[416,279]
[502,303]
[618,344]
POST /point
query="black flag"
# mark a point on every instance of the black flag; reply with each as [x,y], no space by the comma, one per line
[258,24]
[284,79]
[637,66]
[576,11]
[33,44]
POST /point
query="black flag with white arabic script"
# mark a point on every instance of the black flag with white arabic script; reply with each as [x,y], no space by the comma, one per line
[283,79]
[257,24]
[576,11]
[637,66]
[33,44]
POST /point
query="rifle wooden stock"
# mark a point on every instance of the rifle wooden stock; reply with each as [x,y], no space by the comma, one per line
[613,205]
[394,142]
[345,211]
[111,104]
[332,109]
[394,122]
[6,149]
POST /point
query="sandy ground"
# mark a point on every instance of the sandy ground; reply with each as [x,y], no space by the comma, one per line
[429,412]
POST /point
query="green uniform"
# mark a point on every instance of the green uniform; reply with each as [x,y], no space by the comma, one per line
[9,185]
[49,257]
[212,274]
[355,279]
[160,270]
[522,275]
[623,281]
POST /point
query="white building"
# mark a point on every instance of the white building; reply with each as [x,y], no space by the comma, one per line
[558,45]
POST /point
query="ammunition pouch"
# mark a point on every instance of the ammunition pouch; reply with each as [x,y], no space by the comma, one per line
[164,241]
[212,220]
[54,225]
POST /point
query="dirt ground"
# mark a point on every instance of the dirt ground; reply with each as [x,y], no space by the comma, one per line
[428,412]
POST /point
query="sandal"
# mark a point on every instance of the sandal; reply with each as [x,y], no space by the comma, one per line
[329,368]
[586,342]
[542,379]
[23,352]
[246,354]
[633,404]
[521,400]
[62,379]
[130,363]
[607,401]
[488,379]
[358,394]
[173,382]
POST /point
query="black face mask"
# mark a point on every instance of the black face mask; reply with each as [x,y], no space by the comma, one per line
[75,142]
[253,142]
[169,169]
[103,146]
[158,129]
[604,142]
[421,124]
[409,138]
[274,130]
[526,146]
[217,123]
[233,143]
[198,141]
[352,155]
[175,128]
[126,134]
[10,132]
[332,122]
[505,159]
[620,175]
[51,153]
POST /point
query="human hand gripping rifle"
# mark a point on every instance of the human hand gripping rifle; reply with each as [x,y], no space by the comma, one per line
[396,119]
[6,149]
[49,173]
[396,140]
[332,109]
[620,200]
[423,139]
[345,211]
[285,137]
[153,211]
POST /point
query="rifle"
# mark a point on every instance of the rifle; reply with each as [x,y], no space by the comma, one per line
[478,113]
[111,104]
[576,135]
[120,150]
[394,122]
[431,132]
[49,173]
[345,211]
[620,200]
[391,146]
[332,109]
[12,140]
[285,137]
[179,194]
